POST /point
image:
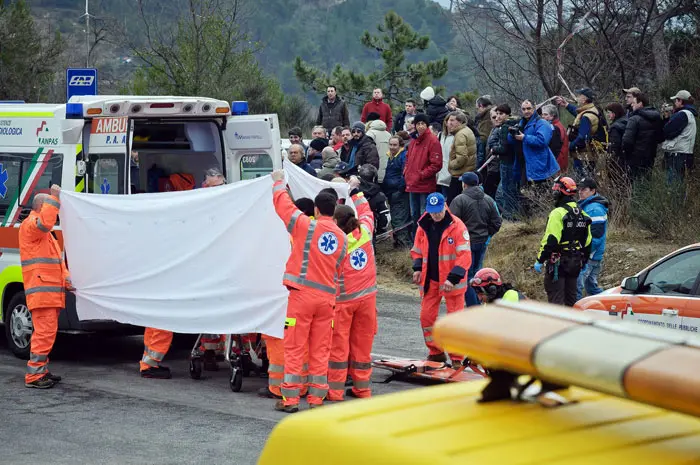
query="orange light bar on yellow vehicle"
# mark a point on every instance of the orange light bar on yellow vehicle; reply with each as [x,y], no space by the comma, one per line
[650,365]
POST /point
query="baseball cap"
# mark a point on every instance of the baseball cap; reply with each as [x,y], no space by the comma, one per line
[632,90]
[585,91]
[470,178]
[344,169]
[682,94]
[588,182]
[435,203]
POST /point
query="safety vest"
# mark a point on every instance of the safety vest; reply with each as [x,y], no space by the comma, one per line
[511,296]
[358,278]
[318,247]
[43,269]
[454,253]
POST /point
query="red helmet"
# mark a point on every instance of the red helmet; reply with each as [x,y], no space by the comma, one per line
[485,277]
[565,185]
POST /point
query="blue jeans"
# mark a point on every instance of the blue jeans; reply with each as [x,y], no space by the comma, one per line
[677,165]
[507,193]
[478,252]
[588,278]
[417,201]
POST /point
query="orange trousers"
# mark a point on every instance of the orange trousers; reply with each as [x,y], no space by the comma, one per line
[212,342]
[355,325]
[429,308]
[156,343]
[45,321]
[275,370]
[309,317]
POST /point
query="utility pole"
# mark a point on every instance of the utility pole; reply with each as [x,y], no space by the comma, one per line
[87,34]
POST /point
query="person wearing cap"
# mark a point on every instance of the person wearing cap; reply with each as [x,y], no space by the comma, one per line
[435,106]
[441,256]
[480,215]
[423,162]
[679,136]
[630,94]
[330,159]
[566,244]
[583,130]
[596,206]
[314,155]
[376,130]
[360,149]
[377,105]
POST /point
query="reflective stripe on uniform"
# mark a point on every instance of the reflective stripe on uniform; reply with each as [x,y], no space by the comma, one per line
[307,250]
[289,322]
[293,221]
[336,385]
[292,379]
[428,334]
[360,365]
[279,187]
[155,355]
[37,358]
[308,283]
[315,379]
[355,295]
[360,384]
[52,202]
[41,226]
[286,392]
[417,250]
[337,365]
[37,289]
[149,361]
[445,258]
[37,370]
[274,381]
[44,261]
[463,248]
[271,368]
[599,219]
[461,285]
[318,392]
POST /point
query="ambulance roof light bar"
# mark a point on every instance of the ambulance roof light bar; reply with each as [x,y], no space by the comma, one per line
[239,107]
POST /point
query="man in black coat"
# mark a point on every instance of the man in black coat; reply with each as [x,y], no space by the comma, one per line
[644,132]
[360,149]
[333,111]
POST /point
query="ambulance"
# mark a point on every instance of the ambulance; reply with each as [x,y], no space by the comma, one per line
[112,145]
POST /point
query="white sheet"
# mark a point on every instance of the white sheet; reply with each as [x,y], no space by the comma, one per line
[202,261]
[302,184]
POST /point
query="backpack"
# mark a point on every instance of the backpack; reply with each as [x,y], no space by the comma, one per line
[601,135]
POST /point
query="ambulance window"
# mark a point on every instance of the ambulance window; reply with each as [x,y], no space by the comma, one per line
[22,176]
[675,276]
[107,175]
[255,166]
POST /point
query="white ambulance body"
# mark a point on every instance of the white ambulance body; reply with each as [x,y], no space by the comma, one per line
[86,145]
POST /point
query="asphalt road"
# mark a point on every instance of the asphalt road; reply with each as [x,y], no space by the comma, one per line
[103,412]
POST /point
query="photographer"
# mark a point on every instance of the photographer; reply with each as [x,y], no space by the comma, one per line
[535,134]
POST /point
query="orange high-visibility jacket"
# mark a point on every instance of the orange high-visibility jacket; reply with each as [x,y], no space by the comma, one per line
[318,247]
[43,269]
[359,275]
[455,255]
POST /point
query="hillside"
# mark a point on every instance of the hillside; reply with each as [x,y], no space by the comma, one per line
[322,32]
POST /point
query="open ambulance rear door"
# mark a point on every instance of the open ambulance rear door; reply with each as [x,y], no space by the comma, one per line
[253,146]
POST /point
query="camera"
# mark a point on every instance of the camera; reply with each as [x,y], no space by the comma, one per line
[514,130]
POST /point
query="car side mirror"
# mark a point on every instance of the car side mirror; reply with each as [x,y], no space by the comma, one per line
[631,284]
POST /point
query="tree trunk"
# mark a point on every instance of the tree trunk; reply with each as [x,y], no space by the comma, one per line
[662,62]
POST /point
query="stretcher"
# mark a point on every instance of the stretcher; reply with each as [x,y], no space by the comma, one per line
[240,353]
[424,370]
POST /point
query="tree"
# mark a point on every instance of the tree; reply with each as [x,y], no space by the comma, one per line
[398,79]
[204,54]
[28,56]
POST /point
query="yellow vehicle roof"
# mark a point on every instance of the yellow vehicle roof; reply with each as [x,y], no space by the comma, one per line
[445,425]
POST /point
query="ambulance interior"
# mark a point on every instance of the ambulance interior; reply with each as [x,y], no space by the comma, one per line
[171,154]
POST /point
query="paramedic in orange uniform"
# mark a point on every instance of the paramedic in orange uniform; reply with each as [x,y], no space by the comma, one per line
[318,251]
[355,322]
[156,342]
[275,345]
[441,257]
[45,281]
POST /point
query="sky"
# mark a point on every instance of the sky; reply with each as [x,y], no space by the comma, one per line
[445,3]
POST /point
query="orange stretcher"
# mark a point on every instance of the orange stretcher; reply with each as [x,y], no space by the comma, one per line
[407,369]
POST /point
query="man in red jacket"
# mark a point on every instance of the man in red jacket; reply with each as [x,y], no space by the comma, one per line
[423,161]
[378,106]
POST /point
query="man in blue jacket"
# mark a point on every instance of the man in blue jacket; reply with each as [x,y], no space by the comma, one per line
[595,206]
[534,133]
[394,187]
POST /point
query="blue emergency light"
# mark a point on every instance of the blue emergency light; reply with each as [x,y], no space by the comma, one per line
[74,111]
[239,107]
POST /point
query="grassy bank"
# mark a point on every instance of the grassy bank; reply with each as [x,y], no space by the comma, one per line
[513,251]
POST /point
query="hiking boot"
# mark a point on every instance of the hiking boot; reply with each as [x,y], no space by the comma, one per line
[42,383]
[160,372]
[351,393]
[437,358]
[210,363]
[313,406]
[280,407]
[266,393]
[55,378]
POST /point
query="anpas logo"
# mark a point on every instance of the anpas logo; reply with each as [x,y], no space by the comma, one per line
[81,81]
[45,140]
[246,137]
